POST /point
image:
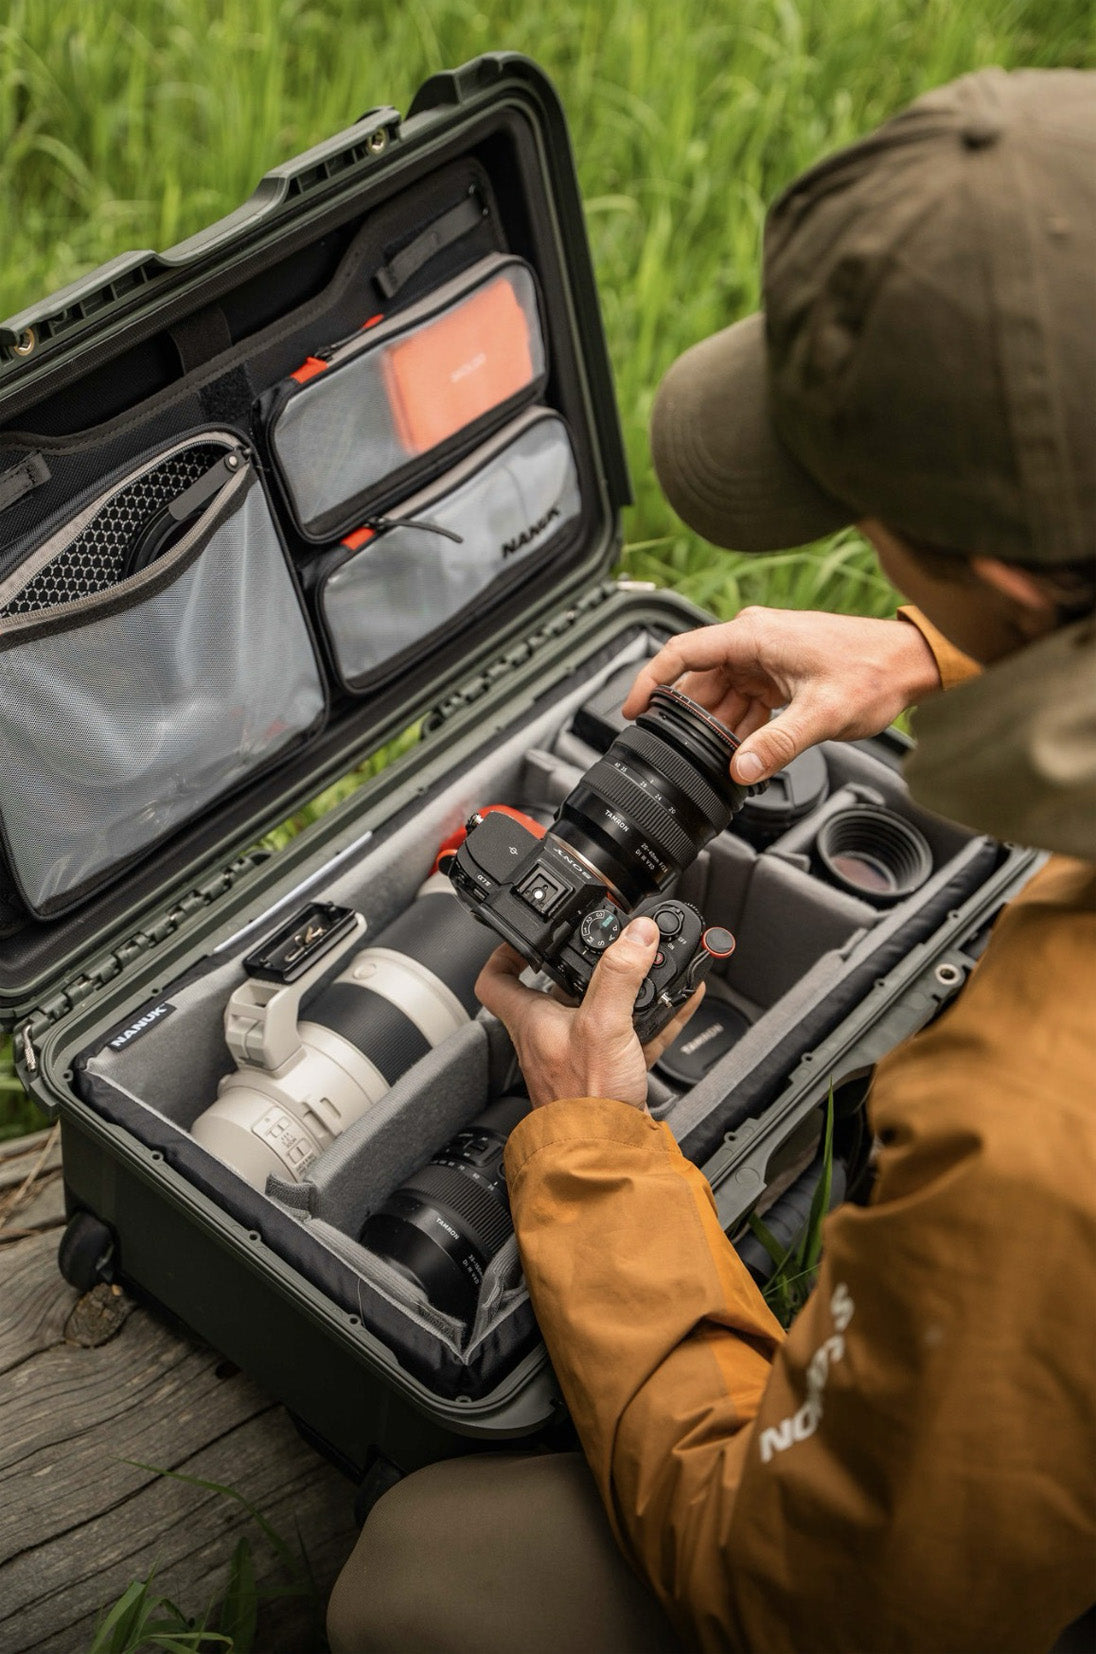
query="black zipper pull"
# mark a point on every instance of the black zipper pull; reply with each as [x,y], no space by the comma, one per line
[163,527]
[379,524]
[192,499]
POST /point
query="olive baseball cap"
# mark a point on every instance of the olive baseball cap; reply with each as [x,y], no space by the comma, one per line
[927,352]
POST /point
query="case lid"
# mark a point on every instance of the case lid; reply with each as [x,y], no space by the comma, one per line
[147,322]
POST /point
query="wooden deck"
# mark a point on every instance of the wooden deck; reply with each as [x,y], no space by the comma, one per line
[92,1390]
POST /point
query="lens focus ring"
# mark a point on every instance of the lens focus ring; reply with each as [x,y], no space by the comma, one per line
[486,1221]
[665,761]
[644,812]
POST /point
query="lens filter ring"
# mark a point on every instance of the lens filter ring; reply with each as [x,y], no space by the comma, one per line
[873,853]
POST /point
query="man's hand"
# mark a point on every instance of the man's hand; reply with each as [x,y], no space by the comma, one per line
[589,1050]
[838,678]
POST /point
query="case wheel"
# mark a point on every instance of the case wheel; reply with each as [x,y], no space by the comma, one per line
[86,1253]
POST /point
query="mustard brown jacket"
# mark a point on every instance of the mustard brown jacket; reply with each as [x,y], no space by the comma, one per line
[911,1467]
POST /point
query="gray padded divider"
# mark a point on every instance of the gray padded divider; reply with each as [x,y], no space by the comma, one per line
[502,1286]
[800,998]
[177,1065]
[547,778]
[787,921]
[389,1281]
[441,1093]
[573,751]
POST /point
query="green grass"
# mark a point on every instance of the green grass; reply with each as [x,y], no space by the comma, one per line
[132,123]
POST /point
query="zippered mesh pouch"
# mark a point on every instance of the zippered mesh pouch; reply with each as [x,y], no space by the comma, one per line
[358,423]
[153,654]
[480,527]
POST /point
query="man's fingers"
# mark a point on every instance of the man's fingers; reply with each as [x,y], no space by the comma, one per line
[704,650]
[778,740]
[610,999]
[497,985]
[662,1041]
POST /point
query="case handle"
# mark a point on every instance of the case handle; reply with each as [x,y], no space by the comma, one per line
[95,294]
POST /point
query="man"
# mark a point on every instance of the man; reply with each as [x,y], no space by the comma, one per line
[912,1467]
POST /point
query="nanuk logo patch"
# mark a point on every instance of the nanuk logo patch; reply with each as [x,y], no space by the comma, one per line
[141,1026]
[510,546]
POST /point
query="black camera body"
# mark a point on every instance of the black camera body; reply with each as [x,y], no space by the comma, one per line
[628,828]
[556,913]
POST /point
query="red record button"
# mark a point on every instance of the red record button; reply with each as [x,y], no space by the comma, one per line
[718,942]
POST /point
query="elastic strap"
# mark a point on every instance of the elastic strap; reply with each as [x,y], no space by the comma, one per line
[441,233]
[29,473]
[201,337]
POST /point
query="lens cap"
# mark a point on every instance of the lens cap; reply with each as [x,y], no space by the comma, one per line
[873,853]
[709,1034]
[791,794]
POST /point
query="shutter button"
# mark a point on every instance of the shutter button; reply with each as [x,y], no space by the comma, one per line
[668,921]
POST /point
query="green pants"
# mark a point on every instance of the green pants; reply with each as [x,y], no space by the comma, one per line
[493,1555]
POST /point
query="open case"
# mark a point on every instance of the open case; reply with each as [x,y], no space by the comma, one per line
[345,465]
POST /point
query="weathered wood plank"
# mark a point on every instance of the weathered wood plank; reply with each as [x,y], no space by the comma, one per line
[79,1519]
[19,1154]
[52,1594]
[34,1301]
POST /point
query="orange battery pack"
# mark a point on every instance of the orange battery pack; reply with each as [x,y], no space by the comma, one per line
[454,369]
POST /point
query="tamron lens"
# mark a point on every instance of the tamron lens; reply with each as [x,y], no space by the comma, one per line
[643,812]
[305,1073]
[444,1225]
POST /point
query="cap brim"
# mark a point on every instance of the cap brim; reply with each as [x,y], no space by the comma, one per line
[718,457]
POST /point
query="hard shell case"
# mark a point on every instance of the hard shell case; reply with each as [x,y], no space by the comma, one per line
[125,916]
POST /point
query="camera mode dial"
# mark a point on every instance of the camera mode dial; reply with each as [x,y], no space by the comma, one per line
[600,928]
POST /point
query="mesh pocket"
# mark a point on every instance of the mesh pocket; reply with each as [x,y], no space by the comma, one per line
[359,420]
[507,503]
[125,713]
[95,559]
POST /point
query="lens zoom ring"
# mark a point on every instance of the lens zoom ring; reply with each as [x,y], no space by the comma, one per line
[642,811]
[487,1222]
[665,760]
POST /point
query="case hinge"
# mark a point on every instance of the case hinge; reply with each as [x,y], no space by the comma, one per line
[101,971]
[516,656]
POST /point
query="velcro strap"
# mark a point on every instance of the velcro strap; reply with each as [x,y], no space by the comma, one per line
[29,473]
[201,337]
[441,233]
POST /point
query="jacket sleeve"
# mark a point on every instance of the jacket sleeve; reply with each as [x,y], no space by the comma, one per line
[953,665]
[907,1469]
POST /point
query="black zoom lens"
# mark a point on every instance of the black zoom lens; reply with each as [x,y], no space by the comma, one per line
[642,813]
[443,1226]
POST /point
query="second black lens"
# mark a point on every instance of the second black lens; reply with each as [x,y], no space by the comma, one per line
[443,1226]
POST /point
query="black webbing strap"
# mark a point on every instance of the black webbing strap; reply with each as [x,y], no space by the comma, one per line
[200,337]
[441,233]
[29,473]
